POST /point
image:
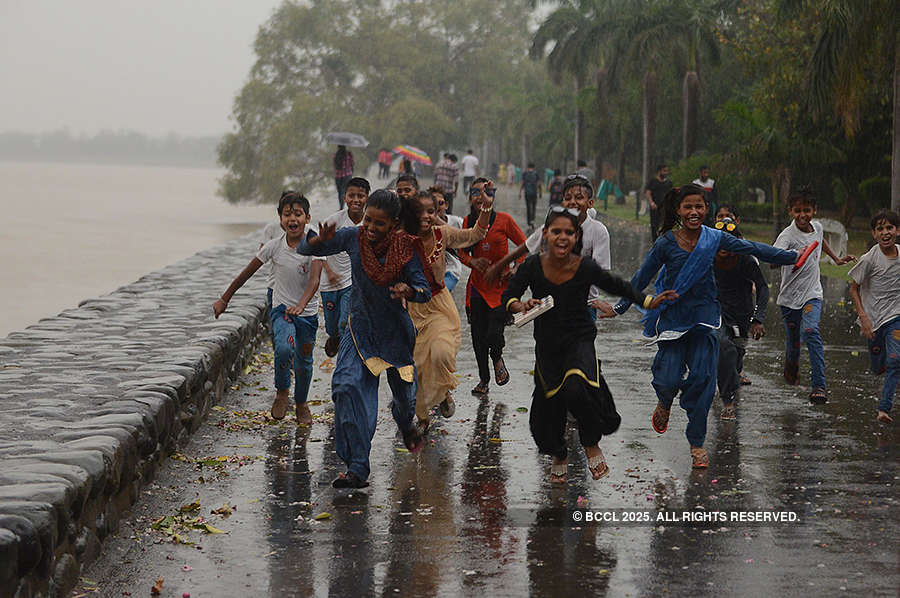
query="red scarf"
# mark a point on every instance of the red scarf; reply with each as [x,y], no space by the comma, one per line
[398,247]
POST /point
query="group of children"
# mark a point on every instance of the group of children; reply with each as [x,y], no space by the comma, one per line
[389,260]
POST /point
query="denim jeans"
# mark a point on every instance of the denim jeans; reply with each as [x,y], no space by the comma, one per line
[884,353]
[294,340]
[530,207]
[450,281]
[336,305]
[696,352]
[269,315]
[803,325]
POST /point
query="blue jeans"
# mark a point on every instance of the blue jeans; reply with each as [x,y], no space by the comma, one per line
[698,353]
[294,340]
[450,281]
[884,355]
[803,325]
[269,315]
[354,391]
[336,305]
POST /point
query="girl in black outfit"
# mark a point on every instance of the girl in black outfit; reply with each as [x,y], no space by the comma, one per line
[566,371]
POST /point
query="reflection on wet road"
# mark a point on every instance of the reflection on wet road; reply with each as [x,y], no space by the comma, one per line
[474,514]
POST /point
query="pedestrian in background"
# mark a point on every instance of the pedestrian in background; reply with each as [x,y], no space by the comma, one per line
[343,172]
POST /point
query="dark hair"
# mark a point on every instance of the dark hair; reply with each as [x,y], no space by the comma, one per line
[560,212]
[439,190]
[480,179]
[385,200]
[360,183]
[454,158]
[672,201]
[577,180]
[410,210]
[339,157]
[557,172]
[888,216]
[731,208]
[290,198]
[582,163]
[704,167]
[660,167]
[804,194]
[469,150]
[531,165]
[409,178]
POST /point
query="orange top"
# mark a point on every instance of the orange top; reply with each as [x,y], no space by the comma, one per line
[493,247]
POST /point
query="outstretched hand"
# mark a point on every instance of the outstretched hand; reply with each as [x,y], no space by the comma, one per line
[327,231]
[845,260]
[662,297]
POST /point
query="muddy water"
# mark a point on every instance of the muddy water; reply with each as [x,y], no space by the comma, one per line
[474,514]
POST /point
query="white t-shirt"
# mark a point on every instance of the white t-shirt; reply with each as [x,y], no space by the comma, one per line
[339,262]
[878,278]
[594,244]
[272,230]
[469,164]
[291,274]
[806,283]
[453,265]
[708,185]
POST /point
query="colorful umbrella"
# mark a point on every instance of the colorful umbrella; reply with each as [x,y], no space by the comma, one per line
[348,139]
[413,153]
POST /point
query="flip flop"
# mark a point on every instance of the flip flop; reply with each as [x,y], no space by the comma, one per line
[660,419]
[818,396]
[699,458]
[501,374]
[481,390]
[597,466]
[558,473]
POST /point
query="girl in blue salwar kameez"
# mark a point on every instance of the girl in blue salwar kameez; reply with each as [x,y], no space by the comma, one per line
[386,269]
[685,330]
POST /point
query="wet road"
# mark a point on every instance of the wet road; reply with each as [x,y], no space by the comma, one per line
[474,514]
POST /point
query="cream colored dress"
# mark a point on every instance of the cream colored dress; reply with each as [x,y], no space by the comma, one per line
[437,322]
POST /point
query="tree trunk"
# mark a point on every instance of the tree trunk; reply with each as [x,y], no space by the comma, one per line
[620,166]
[649,130]
[781,190]
[690,98]
[895,155]
[579,117]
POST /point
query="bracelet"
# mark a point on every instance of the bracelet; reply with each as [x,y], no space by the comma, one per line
[647,301]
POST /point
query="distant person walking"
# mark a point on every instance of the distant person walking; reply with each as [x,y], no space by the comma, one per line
[470,170]
[343,172]
[384,163]
[656,190]
[446,176]
[712,193]
[587,173]
[532,188]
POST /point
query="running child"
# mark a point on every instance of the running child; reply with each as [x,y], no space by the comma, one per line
[686,331]
[453,271]
[336,278]
[380,336]
[294,316]
[437,321]
[800,297]
[742,317]
[567,374]
[876,294]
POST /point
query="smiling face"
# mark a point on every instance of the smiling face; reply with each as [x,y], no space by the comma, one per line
[692,211]
[725,212]
[405,189]
[802,212]
[426,212]
[885,234]
[560,235]
[377,224]
[293,220]
[355,198]
[578,198]
[476,200]
[440,204]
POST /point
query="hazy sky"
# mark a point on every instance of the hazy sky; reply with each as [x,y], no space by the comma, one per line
[154,67]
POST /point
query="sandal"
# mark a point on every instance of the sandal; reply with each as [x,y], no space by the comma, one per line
[349,480]
[745,381]
[558,472]
[279,407]
[660,419]
[413,440]
[699,457]
[597,466]
[818,396]
[501,374]
[482,389]
[728,412]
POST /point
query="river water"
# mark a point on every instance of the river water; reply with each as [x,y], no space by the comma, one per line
[73,231]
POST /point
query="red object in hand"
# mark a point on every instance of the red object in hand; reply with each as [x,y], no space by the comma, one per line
[802,260]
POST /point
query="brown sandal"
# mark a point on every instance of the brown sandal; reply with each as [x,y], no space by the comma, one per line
[597,466]
[501,374]
[660,419]
[699,457]
[558,472]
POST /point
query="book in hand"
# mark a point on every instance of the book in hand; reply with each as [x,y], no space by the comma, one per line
[523,317]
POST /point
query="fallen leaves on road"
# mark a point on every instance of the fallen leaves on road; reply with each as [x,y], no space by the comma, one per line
[177,527]
[156,590]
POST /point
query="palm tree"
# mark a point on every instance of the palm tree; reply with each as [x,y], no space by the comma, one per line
[854,34]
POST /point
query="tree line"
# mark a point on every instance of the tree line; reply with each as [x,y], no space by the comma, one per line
[768,93]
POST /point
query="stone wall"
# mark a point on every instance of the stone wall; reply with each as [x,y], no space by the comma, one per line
[93,400]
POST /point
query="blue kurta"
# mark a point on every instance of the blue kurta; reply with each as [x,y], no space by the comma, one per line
[700,304]
[381,327]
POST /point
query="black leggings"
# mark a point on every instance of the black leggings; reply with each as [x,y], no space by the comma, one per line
[487,333]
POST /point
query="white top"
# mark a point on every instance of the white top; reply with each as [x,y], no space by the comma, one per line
[454,266]
[594,244]
[291,274]
[878,277]
[806,283]
[272,230]
[339,262]
[469,164]
[708,185]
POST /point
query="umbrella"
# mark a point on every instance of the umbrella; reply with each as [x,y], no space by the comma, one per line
[348,139]
[413,153]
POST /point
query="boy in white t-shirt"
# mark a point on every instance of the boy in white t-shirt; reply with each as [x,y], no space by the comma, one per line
[294,316]
[271,231]
[336,279]
[800,296]
[875,291]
